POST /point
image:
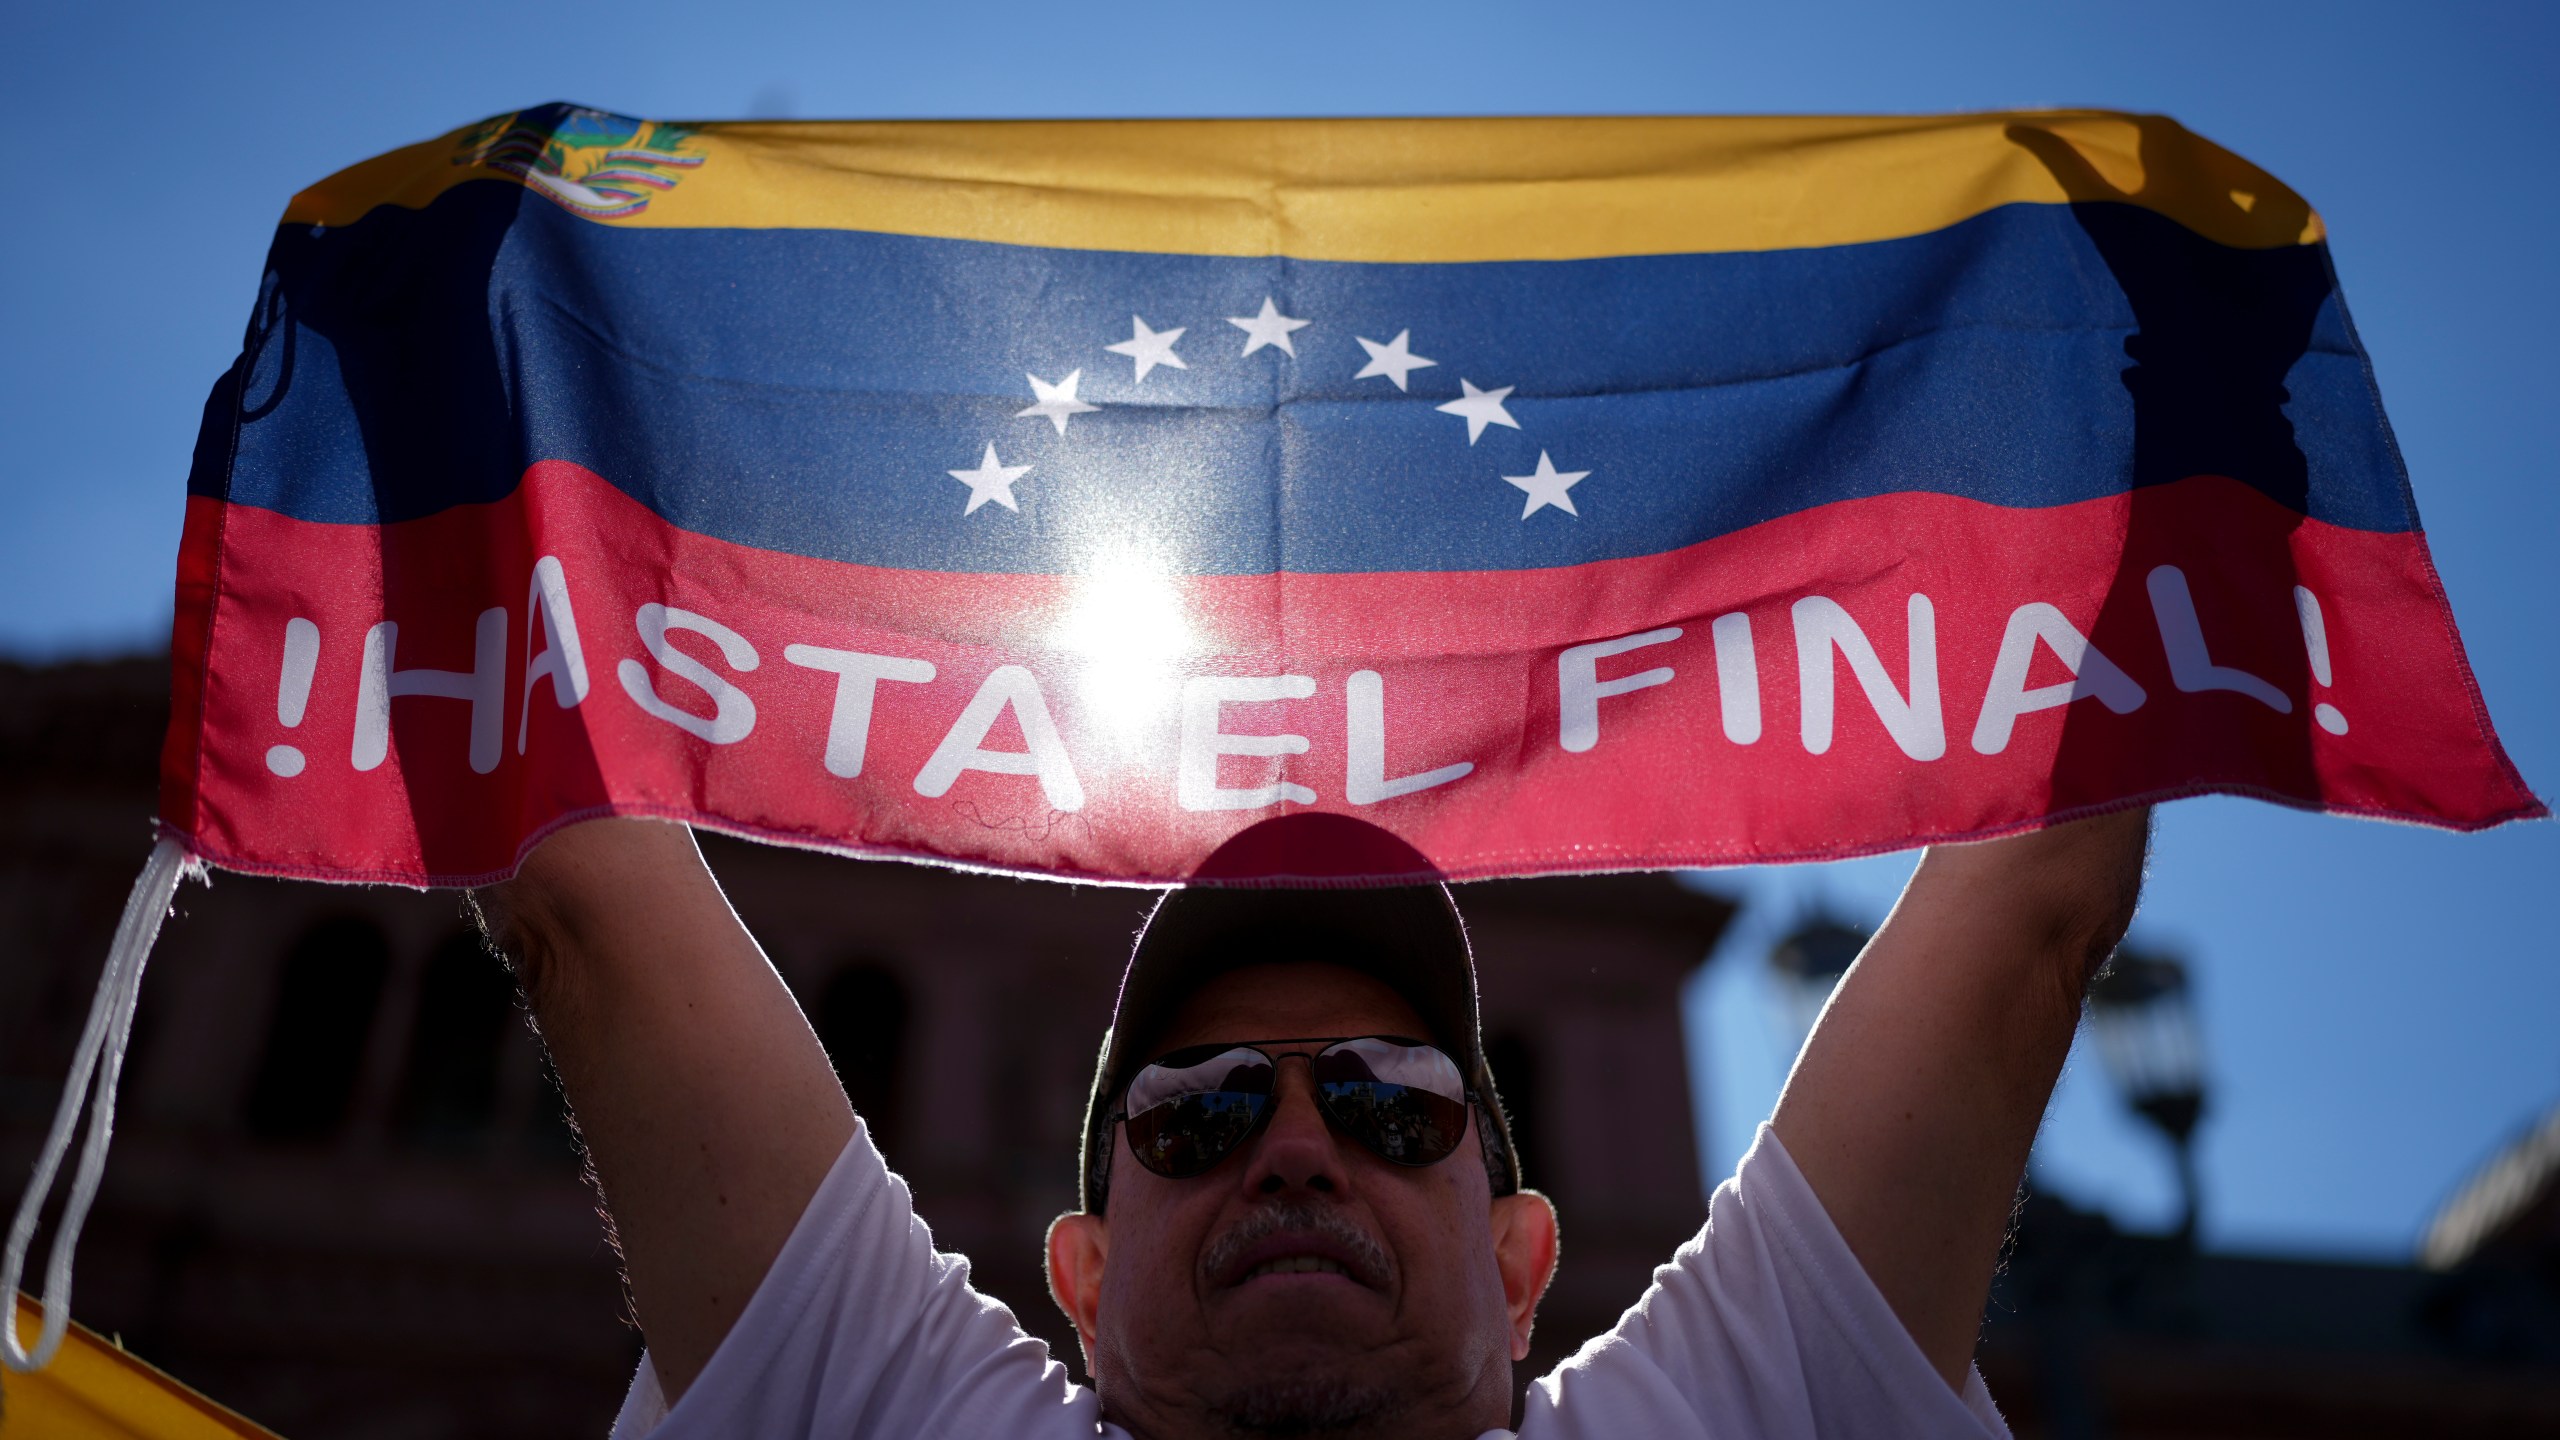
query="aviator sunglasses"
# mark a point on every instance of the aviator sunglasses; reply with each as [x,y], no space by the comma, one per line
[1403,1100]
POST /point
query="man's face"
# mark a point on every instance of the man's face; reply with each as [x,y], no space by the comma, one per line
[1305,1285]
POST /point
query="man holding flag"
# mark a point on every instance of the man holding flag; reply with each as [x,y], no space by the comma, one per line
[1772,489]
[1305,1251]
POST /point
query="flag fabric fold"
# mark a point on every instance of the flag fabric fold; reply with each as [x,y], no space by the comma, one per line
[1062,497]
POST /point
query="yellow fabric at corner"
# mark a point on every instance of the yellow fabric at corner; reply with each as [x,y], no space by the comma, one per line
[95,1391]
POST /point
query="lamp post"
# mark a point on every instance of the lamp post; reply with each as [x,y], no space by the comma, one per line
[2142,1014]
[1807,965]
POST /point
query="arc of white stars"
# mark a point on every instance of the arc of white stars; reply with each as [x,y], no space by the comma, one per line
[1269,328]
[1054,403]
[992,480]
[1150,348]
[1548,487]
[1394,360]
[1480,408]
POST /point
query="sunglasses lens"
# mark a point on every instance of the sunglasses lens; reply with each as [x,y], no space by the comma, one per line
[1185,1118]
[1406,1103]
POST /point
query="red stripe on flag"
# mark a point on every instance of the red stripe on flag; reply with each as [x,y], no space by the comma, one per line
[1579,759]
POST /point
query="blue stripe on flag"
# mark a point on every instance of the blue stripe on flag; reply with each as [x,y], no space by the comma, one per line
[811,390]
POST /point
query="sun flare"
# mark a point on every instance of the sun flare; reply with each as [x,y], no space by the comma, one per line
[1127,626]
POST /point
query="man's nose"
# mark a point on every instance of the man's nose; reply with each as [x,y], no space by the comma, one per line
[1297,1150]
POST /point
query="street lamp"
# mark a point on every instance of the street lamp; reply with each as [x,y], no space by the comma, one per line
[1806,966]
[2142,1013]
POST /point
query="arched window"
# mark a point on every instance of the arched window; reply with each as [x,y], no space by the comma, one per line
[1515,1078]
[449,1092]
[861,1019]
[325,998]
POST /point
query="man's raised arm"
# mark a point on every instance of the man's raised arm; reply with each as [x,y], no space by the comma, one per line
[1917,1098]
[708,1107]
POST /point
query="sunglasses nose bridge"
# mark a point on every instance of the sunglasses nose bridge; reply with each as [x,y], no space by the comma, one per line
[1290,1087]
[1297,1103]
[1297,1145]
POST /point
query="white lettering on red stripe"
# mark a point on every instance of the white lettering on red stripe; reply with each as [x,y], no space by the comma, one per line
[1916,724]
[1365,779]
[547,616]
[858,678]
[733,714]
[1196,765]
[2191,666]
[484,685]
[1579,688]
[1737,677]
[1006,687]
[2093,675]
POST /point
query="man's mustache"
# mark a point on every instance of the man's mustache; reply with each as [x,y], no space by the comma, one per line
[1329,1233]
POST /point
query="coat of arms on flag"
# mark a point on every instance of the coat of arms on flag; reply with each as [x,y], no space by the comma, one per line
[588,162]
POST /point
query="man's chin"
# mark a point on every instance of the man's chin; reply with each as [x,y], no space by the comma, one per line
[1318,1311]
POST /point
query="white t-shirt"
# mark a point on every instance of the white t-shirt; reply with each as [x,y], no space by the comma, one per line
[1762,1326]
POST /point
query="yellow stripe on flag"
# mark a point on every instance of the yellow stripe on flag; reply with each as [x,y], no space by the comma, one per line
[95,1391]
[1425,190]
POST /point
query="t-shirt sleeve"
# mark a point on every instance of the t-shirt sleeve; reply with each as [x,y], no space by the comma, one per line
[1762,1326]
[863,1329]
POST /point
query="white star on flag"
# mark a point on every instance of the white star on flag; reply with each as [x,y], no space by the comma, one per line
[1481,408]
[1150,348]
[993,480]
[1269,328]
[1054,403]
[1547,487]
[1392,359]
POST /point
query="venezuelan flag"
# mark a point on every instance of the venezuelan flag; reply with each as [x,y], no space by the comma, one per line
[1062,497]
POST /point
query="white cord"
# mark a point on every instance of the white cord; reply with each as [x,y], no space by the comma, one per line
[101,1053]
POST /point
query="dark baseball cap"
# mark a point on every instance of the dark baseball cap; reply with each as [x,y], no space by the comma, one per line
[1307,886]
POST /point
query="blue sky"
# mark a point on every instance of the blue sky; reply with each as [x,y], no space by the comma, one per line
[2383,1004]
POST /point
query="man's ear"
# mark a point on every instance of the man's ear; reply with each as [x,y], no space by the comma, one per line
[1078,1245]
[1524,1248]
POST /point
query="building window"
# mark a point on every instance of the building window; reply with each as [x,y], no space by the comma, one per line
[449,1091]
[861,1019]
[326,994]
[1515,1079]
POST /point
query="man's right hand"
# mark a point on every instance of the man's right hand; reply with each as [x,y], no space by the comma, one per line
[708,1109]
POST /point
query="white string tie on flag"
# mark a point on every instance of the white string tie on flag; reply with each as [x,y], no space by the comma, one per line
[101,1054]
